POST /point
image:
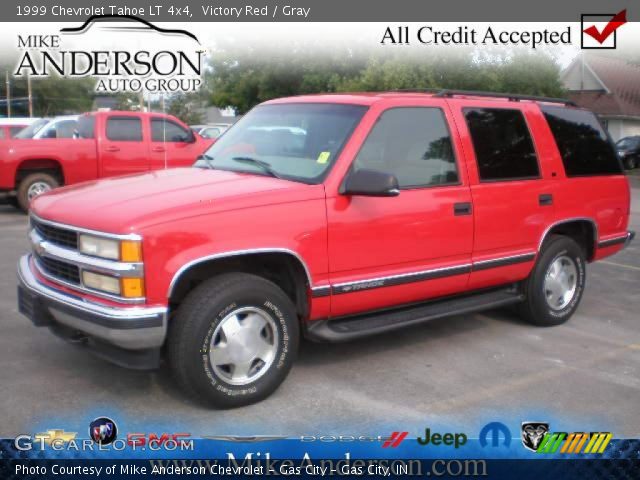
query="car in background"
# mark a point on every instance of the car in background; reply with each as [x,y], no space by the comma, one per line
[10,127]
[103,144]
[58,127]
[628,149]
[213,130]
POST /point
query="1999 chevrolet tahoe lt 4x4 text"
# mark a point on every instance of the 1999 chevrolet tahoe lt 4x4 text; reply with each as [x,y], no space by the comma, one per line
[333,217]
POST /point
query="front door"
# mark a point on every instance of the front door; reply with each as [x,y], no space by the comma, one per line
[395,250]
[172,145]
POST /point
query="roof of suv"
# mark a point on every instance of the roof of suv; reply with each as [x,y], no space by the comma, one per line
[369,98]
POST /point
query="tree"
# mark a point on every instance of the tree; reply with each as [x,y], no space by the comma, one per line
[186,107]
[244,77]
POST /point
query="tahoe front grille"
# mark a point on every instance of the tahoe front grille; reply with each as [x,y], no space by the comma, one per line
[56,235]
[60,270]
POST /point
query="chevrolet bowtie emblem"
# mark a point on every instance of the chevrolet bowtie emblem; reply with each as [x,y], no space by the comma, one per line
[50,435]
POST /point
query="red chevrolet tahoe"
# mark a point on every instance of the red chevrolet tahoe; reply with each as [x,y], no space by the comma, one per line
[333,217]
[108,144]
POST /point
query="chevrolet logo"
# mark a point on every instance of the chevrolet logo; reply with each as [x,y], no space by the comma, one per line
[51,435]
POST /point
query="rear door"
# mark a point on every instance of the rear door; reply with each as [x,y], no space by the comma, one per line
[172,144]
[513,195]
[122,148]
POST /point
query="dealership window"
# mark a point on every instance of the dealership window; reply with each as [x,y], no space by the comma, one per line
[412,143]
[502,143]
[124,129]
[167,131]
[582,141]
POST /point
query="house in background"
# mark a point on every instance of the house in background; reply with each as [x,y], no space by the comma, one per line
[608,86]
[219,115]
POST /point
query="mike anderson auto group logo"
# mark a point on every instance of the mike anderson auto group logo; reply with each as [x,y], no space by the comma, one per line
[124,54]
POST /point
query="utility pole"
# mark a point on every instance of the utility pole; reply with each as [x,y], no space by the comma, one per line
[6,76]
[29,96]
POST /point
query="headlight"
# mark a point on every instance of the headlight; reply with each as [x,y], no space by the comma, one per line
[622,154]
[123,250]
[104,283]
[125,287]
[100,247]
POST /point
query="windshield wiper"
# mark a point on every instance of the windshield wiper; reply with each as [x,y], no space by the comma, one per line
[266,167]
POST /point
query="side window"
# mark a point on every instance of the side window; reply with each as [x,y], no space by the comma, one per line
[86,126]
[66,129]
[13,131]
[414,144]
[502,143]
[124,129]
[167,131]
[583,143]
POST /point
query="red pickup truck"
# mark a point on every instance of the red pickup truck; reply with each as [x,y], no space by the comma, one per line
[108,144]
[334,217]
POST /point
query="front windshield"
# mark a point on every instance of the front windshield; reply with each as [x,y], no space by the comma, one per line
[296,142]
[32,129]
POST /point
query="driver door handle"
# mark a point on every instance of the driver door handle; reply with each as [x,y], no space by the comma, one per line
[112,148]
[462,208]
[158,149]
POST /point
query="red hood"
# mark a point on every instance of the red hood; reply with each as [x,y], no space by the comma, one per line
[128,204]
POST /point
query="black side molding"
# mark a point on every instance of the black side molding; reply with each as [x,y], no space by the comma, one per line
[503,262]
[617,241]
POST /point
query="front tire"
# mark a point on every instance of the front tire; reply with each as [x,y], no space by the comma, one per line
[556,284]
[33,185]
[233,340]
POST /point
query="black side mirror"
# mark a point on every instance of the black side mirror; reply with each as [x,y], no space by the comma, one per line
[370,183]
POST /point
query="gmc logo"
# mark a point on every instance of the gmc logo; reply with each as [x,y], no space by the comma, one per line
[151,439]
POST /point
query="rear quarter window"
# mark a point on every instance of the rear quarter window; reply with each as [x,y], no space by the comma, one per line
[582,141]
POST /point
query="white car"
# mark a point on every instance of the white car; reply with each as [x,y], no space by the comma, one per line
[213,130]
[58,127]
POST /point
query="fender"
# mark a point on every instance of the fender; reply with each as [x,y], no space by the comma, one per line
[569,220]
[236,253]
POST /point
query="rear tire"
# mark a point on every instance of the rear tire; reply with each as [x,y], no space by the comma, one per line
[555,286]
[33,185]
[233,340]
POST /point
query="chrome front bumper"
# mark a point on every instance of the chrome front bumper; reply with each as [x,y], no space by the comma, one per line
[126,327]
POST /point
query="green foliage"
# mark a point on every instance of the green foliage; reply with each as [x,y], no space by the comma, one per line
[244,77]
[186,107]
[51,96]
